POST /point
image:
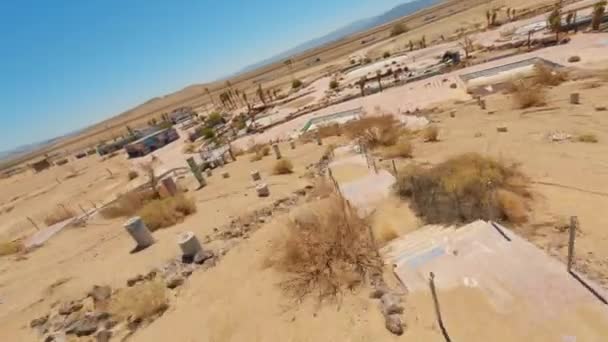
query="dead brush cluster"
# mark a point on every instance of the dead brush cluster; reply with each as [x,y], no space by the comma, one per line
[59,215]
[283,167]
[155,212]
[375,131]
[466,188]
[531,92]
[259,151]
[166,212]
[327,249]
[10,247]
[140,303]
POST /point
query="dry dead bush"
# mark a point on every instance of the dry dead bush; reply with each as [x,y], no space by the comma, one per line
[283,167]
[588,138]
[544,75]
[333,130]
[322,188]
[385,233]
[430,134]
[189,148]
[59,215]
[402,149]
[142,302]
[10,247]
[132,174]
[466,188]
[128,204]
[327,249]
[259,151]
[166,212]
[527,94]
[375,131]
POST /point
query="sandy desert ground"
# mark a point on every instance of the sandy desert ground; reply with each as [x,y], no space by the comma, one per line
[239,299]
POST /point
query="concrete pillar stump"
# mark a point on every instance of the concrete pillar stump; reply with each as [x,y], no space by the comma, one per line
[575,98]
[292,144]
[189,244]
[139,232]
[277,151]
[262,190]
[255,175]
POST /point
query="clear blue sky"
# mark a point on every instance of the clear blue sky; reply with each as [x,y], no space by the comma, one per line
[66,64]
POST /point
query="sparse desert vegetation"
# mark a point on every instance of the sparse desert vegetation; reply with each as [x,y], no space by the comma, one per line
[10,247]
[59,215]
[327,250]
[526,94]
[588,138]
[140,303]
[430,134]
[466,188]
[402,149]
[166,212]
[283,167]
[132,174]
[259,152]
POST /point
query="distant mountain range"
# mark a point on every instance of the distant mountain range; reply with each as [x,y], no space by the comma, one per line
[348,30]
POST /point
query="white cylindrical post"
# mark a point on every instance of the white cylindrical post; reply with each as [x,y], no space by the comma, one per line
[189,244]
[262,190]
[575,98]
[255,175]
[319,139]
[277,151]
[139,232]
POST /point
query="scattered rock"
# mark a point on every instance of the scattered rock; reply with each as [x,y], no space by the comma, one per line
[83,327]
[309,187]
[98,315]
[300,192]
[453,85]
[187,273]
[55,337]
[261,220]
[202,256]
[478,135]
[39,321]
[502,129]
[452,114]
[69,307]
[378,293]
[100,293]
[601,109]
[394,325]
[559,136]
[132,281]
[574,59]
[109,324]
[390,304]
[151,275]
[175,281]
[103,336]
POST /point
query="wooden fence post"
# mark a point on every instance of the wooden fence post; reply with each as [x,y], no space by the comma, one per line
[573,227]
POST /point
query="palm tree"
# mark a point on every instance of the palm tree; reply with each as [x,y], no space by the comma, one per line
[361,84]
[488,17]
[379,78]
[246,101]
[598,13]
[211,97]
[554,21]
[260,93]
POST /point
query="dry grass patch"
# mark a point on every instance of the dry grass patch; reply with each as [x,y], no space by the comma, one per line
[282,167]
[166,212]
[588,138]
[527,94]
[466,188]
[189,148]
[132,175]
[327,249]
[375,131]
[59,215]
[259,152]
[140,303]
[430,134]
[10,247]
[402,149]
[333,130]
[544,75]
[128,204]
[385,234]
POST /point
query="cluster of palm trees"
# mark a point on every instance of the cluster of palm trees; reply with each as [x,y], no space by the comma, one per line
[230,98]
[378,78]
